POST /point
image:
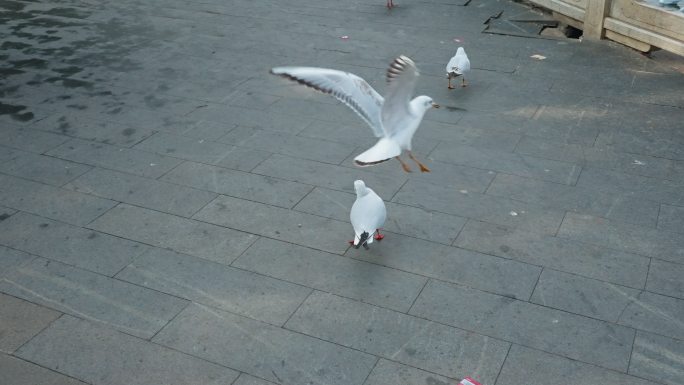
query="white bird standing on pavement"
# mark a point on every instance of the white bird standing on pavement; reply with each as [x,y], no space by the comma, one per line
[367,216]
[458,66]
[394,119]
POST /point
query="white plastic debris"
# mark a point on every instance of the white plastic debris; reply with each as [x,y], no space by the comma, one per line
[513,214]
[153,164]
[538,57]
[463,191]
[638,162]
[468,381]
[345,37]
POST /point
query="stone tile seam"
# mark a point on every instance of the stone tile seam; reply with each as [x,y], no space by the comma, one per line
[50,369]
[311,291]
[503,363]
[457,328]
[371,371]
[189,302]
[61,314]
[408,311]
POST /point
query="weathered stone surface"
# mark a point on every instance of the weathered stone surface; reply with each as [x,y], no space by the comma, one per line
[264,189]
[51,202]
[120,305]
[99,355]
[278,223]
[40,168]
[87,249]
[397,336]
[332,273]
[20,372]
[658,358]
[666,278]
[20,321]
[266,351]
[655,313]
[386,372]
[199,280]
[576,337]
[149,193]
[525,366]
[164,230]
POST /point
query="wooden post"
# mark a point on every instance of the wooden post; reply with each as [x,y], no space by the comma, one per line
[595,14]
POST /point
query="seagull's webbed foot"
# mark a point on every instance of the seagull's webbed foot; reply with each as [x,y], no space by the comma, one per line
[423,168]
[378,237]
[351,242]
[403,165]
[450,86]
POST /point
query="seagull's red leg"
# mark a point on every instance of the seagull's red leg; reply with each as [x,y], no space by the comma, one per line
[423,168]
[463,83]
[449,86]
[378,236]
[403,165]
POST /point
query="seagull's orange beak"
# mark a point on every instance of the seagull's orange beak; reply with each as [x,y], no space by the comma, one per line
[435,105]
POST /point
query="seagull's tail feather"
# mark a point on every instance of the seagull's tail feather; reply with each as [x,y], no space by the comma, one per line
[362,240]
[384,150]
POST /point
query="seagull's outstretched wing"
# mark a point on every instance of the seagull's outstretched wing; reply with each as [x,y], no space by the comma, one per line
[401,80]
[345,87]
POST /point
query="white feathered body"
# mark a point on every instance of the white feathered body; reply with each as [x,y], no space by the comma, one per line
[459,64]
[368,213]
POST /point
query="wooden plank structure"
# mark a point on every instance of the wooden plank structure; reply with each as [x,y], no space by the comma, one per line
[635,23]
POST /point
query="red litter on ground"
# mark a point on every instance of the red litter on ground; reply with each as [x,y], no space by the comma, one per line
[468,381]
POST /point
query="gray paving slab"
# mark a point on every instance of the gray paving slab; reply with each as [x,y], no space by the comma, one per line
[6,212]
[28,139]
[278,223]
[525,366]
[41,168]
[287,144]
[264,189]
[94,127]
[659,190]
[658,358]
[200,239]
[327,175]
[504,211]
[21,320]
[576,337]
[485,272]
[11,259]
[584,296]
[402,219]
[413,341]
[247,117]
[145,192]
[195,128]
[197,150]
[510,163]
[623,236]
[129,308]
[457,135]
[120,159]
[76,246]
[547,149]
[51,202]
[246,379]
[666,278]
[266,351]
[671,218]
[616,206]
[560,254]
[238,291]
[390,372]
[332,273]
[102,356]
[655,313]
[26,373]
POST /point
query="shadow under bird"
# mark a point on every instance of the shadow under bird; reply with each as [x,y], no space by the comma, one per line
[368,214]
[458,66]
[394,119]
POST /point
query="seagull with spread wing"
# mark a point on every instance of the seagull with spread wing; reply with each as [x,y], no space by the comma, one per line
[458,66]
[394,119]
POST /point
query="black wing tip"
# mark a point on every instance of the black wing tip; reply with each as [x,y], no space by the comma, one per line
[366,164]
[398,65]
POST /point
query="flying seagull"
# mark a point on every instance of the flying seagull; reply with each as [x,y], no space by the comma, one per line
[367,216]
[394,119]
[458,66]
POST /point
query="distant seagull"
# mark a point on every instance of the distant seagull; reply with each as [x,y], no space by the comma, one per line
[367,216]
[394,119]
[390,4]
[458,66]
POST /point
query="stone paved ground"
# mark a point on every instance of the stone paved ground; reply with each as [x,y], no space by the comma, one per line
[171,214]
